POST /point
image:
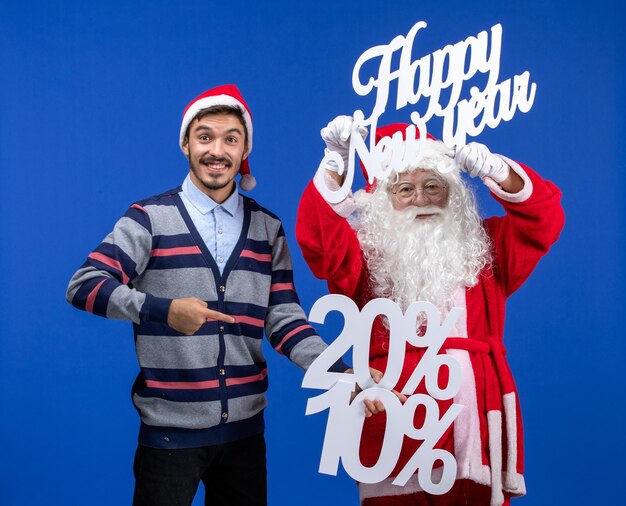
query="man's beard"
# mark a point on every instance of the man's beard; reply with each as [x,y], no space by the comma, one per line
[411,259]
[214,183]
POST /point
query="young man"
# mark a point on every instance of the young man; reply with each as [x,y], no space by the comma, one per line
[202,272]
[417,236]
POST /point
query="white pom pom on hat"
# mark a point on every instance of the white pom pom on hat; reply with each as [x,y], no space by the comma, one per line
[228,95]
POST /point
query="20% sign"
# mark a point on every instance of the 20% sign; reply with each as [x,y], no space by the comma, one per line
[345,419]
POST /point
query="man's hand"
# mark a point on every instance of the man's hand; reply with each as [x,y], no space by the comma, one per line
[336,135]
[477,160]
[375,406]
[189,314]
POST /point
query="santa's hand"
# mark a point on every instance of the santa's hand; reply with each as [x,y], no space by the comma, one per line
[376,406]
[336,135]
[477,160]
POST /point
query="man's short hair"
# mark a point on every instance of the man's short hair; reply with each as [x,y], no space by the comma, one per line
[231,110]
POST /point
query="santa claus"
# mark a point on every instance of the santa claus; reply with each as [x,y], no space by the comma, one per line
[417,236]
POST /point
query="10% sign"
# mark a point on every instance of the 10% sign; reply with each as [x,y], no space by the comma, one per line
[345,419]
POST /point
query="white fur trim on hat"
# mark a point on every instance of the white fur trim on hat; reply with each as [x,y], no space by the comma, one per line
[205,103]
[432,154]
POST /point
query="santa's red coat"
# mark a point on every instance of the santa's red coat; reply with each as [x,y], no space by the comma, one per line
[487,437]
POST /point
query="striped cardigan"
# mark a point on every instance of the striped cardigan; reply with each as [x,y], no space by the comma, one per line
[208,388]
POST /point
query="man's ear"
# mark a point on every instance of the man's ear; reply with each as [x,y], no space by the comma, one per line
[185,146]
[245,154]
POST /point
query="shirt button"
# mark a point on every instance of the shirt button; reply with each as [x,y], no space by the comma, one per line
[220,259]
[222,328]
[222,372]
[219,230]
[224,415]
[222,288]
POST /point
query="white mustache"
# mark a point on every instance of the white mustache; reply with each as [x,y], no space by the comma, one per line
[428,210]
[412,212]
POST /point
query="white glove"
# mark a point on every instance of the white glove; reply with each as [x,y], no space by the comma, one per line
[477,160]
[336,135]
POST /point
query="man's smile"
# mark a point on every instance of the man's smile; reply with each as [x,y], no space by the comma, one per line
[216,166]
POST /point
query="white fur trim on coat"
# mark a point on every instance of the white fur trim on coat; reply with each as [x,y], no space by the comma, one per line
[518,197]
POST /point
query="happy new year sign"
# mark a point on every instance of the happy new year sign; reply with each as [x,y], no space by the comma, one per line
[421,82]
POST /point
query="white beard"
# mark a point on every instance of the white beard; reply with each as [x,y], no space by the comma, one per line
[412,259]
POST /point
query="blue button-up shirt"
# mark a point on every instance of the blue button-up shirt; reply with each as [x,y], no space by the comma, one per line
[219,225]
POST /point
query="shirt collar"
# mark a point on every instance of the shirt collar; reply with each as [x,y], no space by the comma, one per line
[205,204]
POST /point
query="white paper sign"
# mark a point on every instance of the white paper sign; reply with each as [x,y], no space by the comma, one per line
[345,418]
[423,81]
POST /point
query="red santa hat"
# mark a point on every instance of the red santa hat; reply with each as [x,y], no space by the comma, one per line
[389,131]
[228,95]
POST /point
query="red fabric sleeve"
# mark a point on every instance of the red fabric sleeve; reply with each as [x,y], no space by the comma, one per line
[526,233]
[329,244]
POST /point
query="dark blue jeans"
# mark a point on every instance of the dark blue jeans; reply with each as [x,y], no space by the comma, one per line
[234,474]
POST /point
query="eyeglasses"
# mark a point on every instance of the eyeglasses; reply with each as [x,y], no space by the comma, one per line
[433,190]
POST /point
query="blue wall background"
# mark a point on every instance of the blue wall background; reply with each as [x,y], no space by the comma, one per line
[91,95]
